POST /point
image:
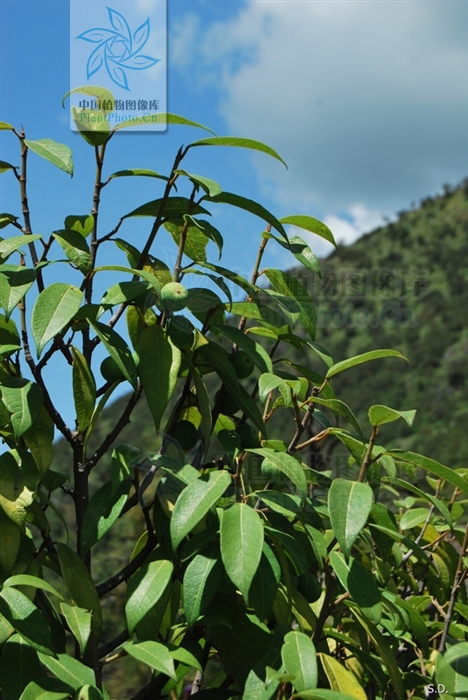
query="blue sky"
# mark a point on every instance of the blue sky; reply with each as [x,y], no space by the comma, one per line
[366,101]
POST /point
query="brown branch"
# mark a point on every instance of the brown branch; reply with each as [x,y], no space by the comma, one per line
[460,574]
[127,571]
[368,456]
[25,208]
[115,432]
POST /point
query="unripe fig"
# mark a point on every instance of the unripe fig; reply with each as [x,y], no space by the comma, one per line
[242,363]
[110,371]
[248,436]
[174,297]
[228,406]
[186,434]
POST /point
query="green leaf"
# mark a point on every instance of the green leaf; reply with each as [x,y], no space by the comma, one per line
[287,464]
[385,653]
[241,534]
[195,242]
[9,245]
[68,670]
[211,187]
[54,309]
[34,581]
[201,580]
[194,503]
[75,248]
[304,254]
[185,656]
[349,504]
[255,351]
[452,670]
[249,205]
[102,511]
[250,289]
[162,118]
[9,336]
[6,219]
[26,619]
[378,415]
[11,540]
[137,172]
[4,166]
[83,223]
[89,692]
[145,589]
[269,382]
[290,286]
[239,143]
[413,517]
[84,389]
[56,153]
[153,654]
[440,505]
[14,283]
[432,466]
[203,401]
[300,659]
[152,279]
[286,503]
[24,400]
[5,125]
[80,584]
[321,694]
[217,357]
[79,622]
[123,292]
[343,409]
[18,481]
[308,223]
[174,208]
[19,665]
[360,585]
[214,235]
[158,367]
[102,94]
[47,689]
[264,585]
[118,350]
[359,359]
[39,439]
[341,679]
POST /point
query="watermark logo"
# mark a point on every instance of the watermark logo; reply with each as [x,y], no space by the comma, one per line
[118,57]
[118,49]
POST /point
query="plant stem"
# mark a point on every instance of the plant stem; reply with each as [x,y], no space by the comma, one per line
[460,574]
[25,207]
[368,456]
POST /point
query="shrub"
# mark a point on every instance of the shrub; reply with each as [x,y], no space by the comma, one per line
[257,575]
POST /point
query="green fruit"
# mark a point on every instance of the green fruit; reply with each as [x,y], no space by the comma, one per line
[242,363]
[227,406]
[229,440]
[181,332]
[174,297]
[248,436]
[110,371]
[186,434]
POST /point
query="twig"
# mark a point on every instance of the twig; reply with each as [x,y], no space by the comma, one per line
[127,571]
[368,455]
[459,576]
[115,432]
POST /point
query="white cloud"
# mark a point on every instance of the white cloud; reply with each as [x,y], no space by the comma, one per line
[366,101]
